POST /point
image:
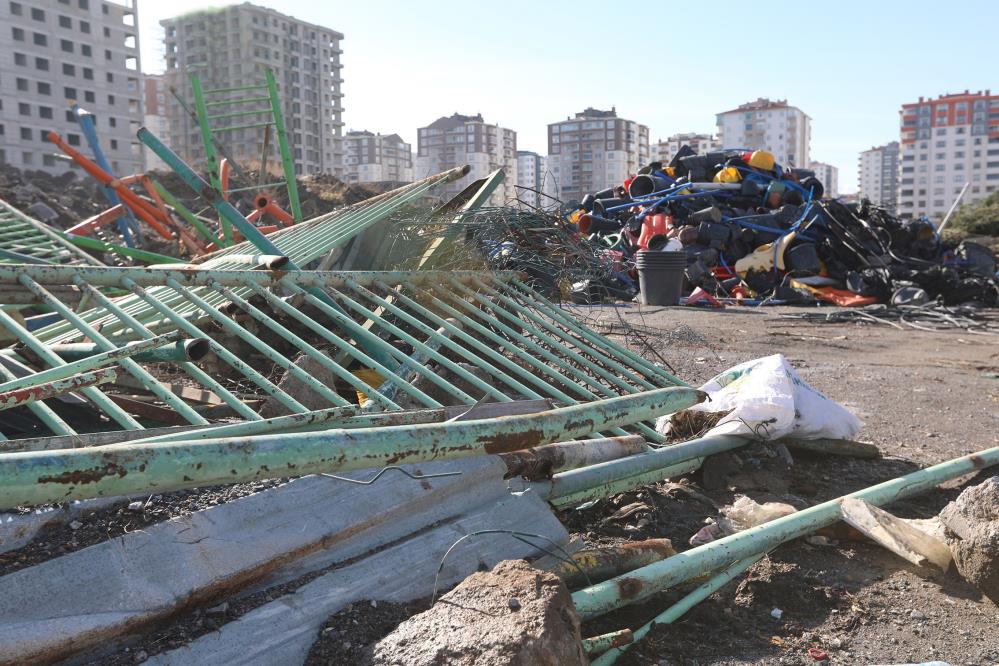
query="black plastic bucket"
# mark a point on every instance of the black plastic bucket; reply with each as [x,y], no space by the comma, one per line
[660,276]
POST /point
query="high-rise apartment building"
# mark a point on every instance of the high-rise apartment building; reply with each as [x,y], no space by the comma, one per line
[154,117]
[878,175]
[774,126]
[828,175]
[456,140]
[664,149]
[377,158]
[531,175]
[945,143]
[52,51]
[233,46]
[595,150]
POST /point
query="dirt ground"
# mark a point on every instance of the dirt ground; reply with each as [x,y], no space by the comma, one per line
[925,397]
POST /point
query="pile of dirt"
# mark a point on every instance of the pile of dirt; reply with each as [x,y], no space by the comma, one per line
[349,636]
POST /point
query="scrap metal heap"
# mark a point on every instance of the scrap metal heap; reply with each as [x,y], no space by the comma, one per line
[432,361]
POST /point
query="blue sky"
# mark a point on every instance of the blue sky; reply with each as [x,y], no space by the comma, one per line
[849,65]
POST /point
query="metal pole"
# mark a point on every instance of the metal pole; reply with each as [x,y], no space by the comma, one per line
[642,583]
[43,391]
[953,207]
[37,477]
[286,161]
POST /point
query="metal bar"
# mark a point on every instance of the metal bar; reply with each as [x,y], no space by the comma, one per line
[88,363]
[215,91]
[91,393]
[227,102]
[282,136]
[193,371]
[238,114]
[600,644]
[641,583]
[211,157]
[254,187]
[29,478]
[182,210]
[677,610]
[290,423]
[540,463]
[131,252]
[178,352]
[49,418]
[49,233]
[615,487]
[126,363]
[233,128]
[43,391]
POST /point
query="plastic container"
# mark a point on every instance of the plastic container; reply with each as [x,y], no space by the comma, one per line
[660,276]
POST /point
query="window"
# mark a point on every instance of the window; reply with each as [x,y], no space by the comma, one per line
[83,4]
[21,59]
[107,54]
[88,96]
[88,73]
[66,45]
[85,50]
[68,70]
[22,84]
[85,27]
[70,118]
[111,101]
[25,134]
[114,144]
[37,14]
[39,39]
[44,88]
[110,77]
[23,109]
[69,93]
[65,22]
[45,112]
[42,64]
[112,121]
[16,9]
[73,139]
[18,34]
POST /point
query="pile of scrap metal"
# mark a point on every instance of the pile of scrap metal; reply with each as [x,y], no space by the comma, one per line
[755,231]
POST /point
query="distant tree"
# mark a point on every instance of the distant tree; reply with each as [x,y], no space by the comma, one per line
[981,219]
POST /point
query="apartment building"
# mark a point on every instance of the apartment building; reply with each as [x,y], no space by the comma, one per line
[945,143]
[878,175]
[595,150]
[377,158]
[456,140]
[52,51]
[774,126]
[664,149]
[233,46]
[154,116]
[828,175]
[531,176]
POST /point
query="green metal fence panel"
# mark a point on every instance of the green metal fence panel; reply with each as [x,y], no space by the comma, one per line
[455,338]
[23,239]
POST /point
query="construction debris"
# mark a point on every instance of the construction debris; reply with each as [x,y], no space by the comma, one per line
[513,615]
[972,522]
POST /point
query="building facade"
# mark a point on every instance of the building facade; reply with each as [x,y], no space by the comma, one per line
[593,151]
[945,143]
[154,116]
[456,140]
[664,150]
[878,175]
[377,158]
[828,175]
[532,173]
[234,46]
[52,51]
[774,126]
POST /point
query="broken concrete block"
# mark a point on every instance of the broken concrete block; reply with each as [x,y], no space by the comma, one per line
[514,615]
[973,522]
[299,390]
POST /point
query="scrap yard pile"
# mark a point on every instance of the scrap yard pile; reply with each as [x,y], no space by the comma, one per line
[746,228]
[296,421]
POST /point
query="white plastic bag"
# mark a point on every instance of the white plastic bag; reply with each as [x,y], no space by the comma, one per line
[768,400]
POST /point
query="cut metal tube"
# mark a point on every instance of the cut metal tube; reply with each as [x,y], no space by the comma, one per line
[610,488]
[539,463]
[88,362]
[49,418]
[180,351]
[677,610]
[26,396]
[641,583]
[29,478]
[289,423]
[600,644]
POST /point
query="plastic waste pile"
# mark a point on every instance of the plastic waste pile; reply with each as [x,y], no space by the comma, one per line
[758,232]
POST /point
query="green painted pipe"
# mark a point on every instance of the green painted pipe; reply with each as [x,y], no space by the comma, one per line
[600,644]
[85,362]
[44,391]
[602,489]
[38,477]
[677,610]
[641,583]
[177,352]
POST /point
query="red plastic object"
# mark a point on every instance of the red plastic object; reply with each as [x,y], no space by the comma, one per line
[817,654]
[701,296]
[659,224]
